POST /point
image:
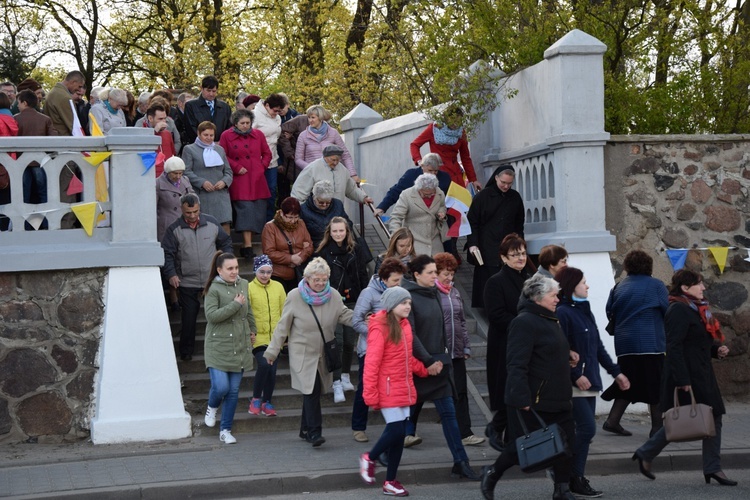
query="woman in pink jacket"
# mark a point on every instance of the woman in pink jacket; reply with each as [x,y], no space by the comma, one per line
[389,384]
[248,155]
[319,134]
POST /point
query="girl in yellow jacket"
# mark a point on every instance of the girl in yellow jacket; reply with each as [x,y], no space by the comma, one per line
[267,300]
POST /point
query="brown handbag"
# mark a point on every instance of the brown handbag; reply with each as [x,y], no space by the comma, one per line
[689,423]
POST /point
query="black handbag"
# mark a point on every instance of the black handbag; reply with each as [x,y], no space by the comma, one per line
[331,350]
[539,449]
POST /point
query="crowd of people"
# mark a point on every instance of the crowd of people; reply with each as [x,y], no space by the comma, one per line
[265,170]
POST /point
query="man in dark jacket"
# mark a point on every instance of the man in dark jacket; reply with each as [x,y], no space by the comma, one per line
[206,108]
[33,123]
[189,246]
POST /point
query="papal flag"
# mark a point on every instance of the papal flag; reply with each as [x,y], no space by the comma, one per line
[458,201]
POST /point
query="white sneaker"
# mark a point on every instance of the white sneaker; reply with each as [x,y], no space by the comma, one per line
[347,383]
[210,419]
[226,437]
[338,392]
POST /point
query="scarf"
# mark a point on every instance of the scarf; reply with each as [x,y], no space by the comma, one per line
[318,133]
[445,135]
[210,157]
[286,226]
[446,289]
[311,296]
[109,107]
[239,132]
[574,298]
[701,307]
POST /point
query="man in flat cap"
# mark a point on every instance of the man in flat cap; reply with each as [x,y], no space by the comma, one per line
[330,169]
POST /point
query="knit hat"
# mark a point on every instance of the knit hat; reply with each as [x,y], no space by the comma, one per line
[261,261]
[251,99]
[333,150]
[174,164]
[392,297]
[30,84]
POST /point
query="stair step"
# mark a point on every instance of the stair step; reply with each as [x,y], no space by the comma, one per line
[289,420]
[200,382]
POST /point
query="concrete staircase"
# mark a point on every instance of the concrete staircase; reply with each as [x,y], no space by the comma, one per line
[288,402]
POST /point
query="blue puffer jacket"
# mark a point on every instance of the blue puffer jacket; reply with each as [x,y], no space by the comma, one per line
[579,327]
[638,305]
[317,219]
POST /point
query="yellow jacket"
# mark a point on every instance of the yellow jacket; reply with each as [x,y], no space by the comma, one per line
[267,302]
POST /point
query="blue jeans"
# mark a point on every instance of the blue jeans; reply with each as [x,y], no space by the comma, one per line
[711,448]
[447,412]
[360,409]
[584,411]
[265,376]
[272,181]
[34,185]
[224,386]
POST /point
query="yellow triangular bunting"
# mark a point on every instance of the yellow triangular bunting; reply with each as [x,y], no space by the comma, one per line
[97,158]
[86,214]
[720,255]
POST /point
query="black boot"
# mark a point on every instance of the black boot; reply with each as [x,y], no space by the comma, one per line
[463,469]
[562,492]
[489,480]
[580,487]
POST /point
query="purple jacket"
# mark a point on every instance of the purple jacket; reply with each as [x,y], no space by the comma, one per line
[308,149]
[456,335]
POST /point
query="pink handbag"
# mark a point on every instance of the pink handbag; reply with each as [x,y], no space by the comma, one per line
[689,423]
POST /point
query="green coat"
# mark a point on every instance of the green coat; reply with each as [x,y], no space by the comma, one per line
[229,324]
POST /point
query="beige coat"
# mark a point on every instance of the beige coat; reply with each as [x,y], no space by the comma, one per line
[410,211]
[305,345]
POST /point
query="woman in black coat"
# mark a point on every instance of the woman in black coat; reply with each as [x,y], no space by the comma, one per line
[693,338]
[348,262]
[426,318]
[501,296]
[494,213]
[539,361]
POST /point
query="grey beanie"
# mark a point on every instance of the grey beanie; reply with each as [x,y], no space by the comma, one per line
[393,297]
[333,150]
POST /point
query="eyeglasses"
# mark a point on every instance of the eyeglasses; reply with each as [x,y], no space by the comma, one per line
[322,203]
[264,271]
[291,218]
[318,281]
[516,255]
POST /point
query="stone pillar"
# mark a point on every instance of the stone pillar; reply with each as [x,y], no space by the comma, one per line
[354,124]
[138,395]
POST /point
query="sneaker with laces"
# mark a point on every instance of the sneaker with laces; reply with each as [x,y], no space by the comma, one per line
[226,437]
[366,468]
[338,392]
[472,440]
[394,488]
[267,409]
[410,441]
[580,487]
[255,407]
[346,382]
[210,419]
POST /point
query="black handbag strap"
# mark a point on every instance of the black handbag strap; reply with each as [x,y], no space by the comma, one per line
[320,328]
[523,424]
[288,241]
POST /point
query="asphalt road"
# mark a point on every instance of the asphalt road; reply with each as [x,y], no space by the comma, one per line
[675,485]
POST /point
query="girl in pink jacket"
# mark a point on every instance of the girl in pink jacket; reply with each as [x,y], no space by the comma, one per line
[388,383]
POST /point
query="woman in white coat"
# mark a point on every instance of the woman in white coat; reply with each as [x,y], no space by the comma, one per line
[421,208]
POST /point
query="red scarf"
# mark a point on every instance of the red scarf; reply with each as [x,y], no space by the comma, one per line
[712,325]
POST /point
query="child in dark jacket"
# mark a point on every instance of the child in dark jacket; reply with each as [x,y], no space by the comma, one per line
[389,385]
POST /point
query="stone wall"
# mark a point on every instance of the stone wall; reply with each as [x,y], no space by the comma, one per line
[50,326]
[689,192]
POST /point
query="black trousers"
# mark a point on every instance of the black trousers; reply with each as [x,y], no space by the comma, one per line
[312,416]
[462,401]
[190,302]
